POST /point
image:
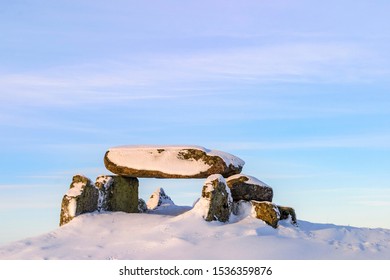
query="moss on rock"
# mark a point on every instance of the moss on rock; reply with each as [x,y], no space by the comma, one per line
[82,197]
[244,189]
[218,196]
[122,195]
[266,211]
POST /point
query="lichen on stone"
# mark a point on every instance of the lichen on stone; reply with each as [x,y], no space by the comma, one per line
[266,211]
[82,197]
[218,196]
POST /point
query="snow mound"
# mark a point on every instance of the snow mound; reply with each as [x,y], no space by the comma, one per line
[185,235]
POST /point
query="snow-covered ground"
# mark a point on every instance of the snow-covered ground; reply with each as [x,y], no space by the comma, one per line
[179,232]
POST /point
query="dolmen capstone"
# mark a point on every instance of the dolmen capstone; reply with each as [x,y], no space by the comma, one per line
[225,192]
[171,162]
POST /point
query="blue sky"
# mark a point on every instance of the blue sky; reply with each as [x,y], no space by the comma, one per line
[299,90]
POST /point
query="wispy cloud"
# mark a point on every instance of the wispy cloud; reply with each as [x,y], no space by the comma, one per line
[372,197]
[26,186]
[356,141]
[373,203]
[157,76]
[27,204]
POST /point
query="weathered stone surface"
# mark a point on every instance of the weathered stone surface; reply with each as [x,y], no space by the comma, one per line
[142,208]
[266,211]
[82,197]
[158,198]
[216,199]
[170,162]
[103,183]
[118,193]
[244,187]
[286,212]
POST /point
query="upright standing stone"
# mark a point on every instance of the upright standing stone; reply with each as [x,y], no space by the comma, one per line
[118,193]
[82,197]
[216,199]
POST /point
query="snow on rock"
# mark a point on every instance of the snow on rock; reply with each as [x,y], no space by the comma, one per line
[103,183]
[170,162]
[287,213]
[215,203]
[142,207]
[188,236]
[242,209]
[158,198]
[244,187]
[82,197]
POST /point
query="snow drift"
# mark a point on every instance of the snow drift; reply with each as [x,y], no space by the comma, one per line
[173,232]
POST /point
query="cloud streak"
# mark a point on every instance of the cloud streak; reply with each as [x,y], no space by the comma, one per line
[379,141]
[157,76]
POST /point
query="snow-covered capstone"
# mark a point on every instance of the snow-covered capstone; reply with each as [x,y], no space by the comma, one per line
[244,187]
[158,198]
[171,162]
[117,193]
[216,201]
[82,197]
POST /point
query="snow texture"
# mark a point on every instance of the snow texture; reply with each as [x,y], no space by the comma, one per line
[72,194]
[72,207]
[171,234]
[251,180]
[76,189]
[165,159]
[103,182]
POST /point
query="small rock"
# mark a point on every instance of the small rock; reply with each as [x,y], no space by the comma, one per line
[266,211]
[158,198]
[244,187]
[286,213]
